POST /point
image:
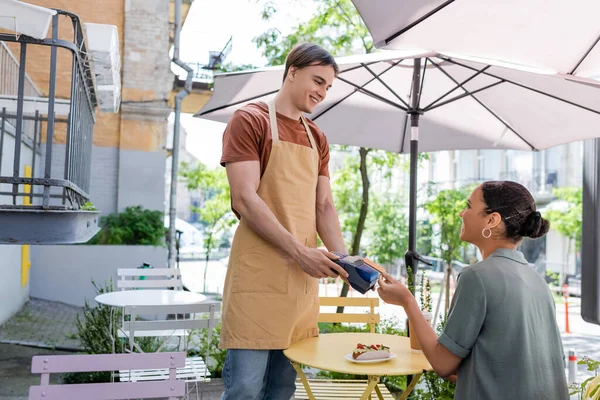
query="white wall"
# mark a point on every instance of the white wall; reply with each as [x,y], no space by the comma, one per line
[65,273]
[12,295]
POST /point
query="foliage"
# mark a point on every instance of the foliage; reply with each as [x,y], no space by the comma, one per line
[199,346]
[589,388]
[568,222]
[88,206]
[435,388]
[346,184]
[444,209]
[97,332]
[388,226]
[425,294]
[215,213]
[335,25]
[134,226]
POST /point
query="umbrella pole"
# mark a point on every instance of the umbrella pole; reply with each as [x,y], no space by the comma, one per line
[411,257]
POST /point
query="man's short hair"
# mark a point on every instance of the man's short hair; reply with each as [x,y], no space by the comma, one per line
[307,54]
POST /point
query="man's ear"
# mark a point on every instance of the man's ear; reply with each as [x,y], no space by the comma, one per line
[292,73]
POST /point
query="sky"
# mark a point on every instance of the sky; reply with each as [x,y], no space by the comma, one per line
[208,27]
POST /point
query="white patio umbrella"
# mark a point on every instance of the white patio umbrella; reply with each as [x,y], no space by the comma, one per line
[457,102]
[561,35]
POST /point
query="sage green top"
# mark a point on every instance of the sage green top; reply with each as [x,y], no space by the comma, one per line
[502,322]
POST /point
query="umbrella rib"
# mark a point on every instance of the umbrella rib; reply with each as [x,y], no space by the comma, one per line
[374,95]
[385,84]
[354,91]
[483,105]
[238,102]
[431,106]
[422,84]
[525,87]
[585,55]
[417,22]
[360,66]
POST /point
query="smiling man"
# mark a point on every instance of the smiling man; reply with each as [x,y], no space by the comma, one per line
[277,166]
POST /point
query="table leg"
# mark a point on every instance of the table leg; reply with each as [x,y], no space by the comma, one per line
[410,386]
[298,369]
[373,381]
[379,395]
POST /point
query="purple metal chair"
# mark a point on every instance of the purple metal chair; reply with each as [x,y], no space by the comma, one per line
[46,365]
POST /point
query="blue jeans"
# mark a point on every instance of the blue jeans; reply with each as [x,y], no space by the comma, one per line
[258,375]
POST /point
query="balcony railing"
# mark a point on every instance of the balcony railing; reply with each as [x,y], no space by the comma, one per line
[45,187]
[46,142]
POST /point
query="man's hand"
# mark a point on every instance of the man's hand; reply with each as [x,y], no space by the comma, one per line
[452,378]
[393,292]
[317,263]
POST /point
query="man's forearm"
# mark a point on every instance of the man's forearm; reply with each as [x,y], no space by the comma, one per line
[262,221]
[328,227]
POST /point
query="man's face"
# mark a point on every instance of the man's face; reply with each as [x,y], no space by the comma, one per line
[309,85]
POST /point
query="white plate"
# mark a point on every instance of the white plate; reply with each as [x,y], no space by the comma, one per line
[378,360]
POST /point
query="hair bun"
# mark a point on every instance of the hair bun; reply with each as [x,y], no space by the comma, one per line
[535,226]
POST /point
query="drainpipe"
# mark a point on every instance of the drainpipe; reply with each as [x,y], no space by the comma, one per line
[187,88]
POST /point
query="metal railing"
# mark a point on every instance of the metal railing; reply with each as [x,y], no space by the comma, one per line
[9,75]
[9,85]
[67,189]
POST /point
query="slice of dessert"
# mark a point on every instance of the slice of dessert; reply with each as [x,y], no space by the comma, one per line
[370,352]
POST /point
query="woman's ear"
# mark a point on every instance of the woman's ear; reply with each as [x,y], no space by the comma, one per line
[494,220]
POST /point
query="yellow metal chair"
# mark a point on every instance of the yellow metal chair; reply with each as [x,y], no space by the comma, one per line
[327,389]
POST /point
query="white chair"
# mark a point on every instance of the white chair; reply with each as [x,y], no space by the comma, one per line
[128,279]
[168,387]
[195,316]
[160,278]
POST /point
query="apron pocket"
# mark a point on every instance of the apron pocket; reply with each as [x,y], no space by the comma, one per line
[261,269]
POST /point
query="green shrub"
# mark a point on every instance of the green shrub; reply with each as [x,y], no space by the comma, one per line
[199,346]
[134,226]
[97,330]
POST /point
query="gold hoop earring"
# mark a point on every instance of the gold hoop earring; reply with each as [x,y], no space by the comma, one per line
[488,235]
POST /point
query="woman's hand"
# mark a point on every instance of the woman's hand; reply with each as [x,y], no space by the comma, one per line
[393,292]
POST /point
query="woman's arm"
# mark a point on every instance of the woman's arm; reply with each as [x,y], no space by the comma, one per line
[443,361]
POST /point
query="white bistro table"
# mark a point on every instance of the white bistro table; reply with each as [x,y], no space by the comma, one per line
[148,297]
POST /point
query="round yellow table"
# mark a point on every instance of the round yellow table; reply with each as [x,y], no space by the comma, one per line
[327,351]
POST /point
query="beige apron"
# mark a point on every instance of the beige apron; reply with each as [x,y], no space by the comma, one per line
[269,302]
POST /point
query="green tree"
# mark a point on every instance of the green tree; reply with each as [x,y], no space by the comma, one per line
[444,210]
[215,213]
[388,228]
[335,25]
[567,221]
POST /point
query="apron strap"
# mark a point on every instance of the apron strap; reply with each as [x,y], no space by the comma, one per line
[313,144]
[275,130]
[273,120]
